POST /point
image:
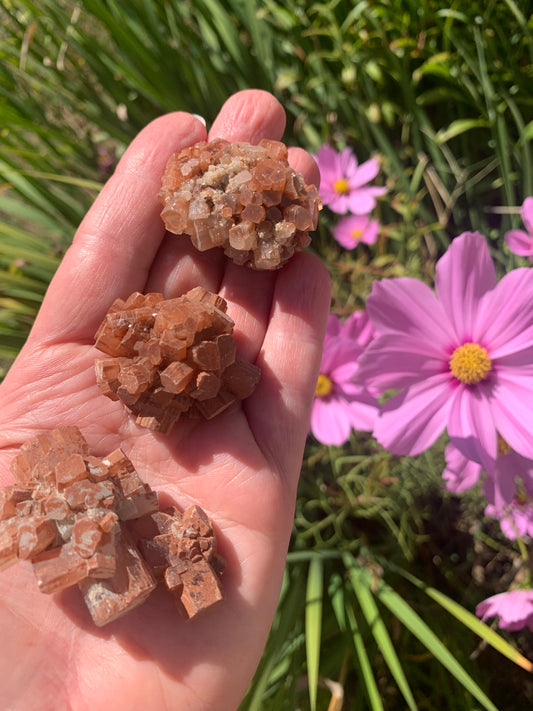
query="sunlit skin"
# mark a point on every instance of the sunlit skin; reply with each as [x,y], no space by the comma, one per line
[242,468]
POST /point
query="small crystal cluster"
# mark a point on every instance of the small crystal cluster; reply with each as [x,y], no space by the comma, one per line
[66,515]
[244,198]
[171,358]
[181,550]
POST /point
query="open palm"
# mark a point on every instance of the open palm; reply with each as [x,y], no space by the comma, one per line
[241,467]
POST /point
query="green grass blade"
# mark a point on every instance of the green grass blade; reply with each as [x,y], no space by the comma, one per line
[347,622]
[416,625]
[456,128]
[361,583]
[67,179]
[336,598]
[480,628]
[363,660]
[472,622]
[313,624]
[289,609]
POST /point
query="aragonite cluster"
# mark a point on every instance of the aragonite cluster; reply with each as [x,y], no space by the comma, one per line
[244,198]
[66,514]
[171,358]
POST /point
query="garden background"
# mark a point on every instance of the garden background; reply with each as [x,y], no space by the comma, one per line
[386,566]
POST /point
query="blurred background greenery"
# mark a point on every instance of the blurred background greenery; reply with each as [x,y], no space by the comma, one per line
[392,565]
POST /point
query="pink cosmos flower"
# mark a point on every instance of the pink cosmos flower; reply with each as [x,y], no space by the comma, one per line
[343,183]
[462,358]
[516,519]
[339,404]
[460,473]
[352,229]
[509,493]
[508,488]
[514,608]
[518,241]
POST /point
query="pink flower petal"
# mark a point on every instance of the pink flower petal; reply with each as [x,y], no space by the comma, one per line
[519,242]
[353,229]
[366,172]
[331,421]
[514,608]
[354,391]
[411,421]
[499,486]
[335,166]
[460,473]
[463,275]
[342,374]
[505,315]
[407,306]
[397,361]
[527,214]
[364,412]
[516,522]
[336,202]
[361,201]
[334,325]
[511,406]
[359,328]
[340,353]
[327,159]
[471,426]
[347,163]
[371,233]
[516,518]
[520,360]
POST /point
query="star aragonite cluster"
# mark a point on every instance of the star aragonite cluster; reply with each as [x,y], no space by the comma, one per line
[244,198]
[66,514]
[171,358]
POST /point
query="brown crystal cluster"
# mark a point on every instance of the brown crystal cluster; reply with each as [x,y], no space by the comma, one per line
[244,198]
[181,550]
[171,358]
[66,514]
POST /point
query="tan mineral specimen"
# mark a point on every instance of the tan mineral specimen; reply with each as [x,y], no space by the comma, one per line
[180,360]
[182,551]
[131,583]
[241,197]
[66,515]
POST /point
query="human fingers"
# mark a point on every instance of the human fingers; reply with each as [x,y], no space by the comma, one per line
[116,243]
[248,292]
[248,115]
[304,163]
[278,411]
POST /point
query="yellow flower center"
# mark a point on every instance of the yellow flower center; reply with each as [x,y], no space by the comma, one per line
[356,234]
[470,363]
[503,447]
[521,498]
[341,186]
[323,386]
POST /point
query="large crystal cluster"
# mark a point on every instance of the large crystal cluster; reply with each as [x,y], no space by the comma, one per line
[241,197]
[171,358]
[66,515]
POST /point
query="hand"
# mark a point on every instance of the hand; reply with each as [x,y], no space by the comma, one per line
[241,467]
